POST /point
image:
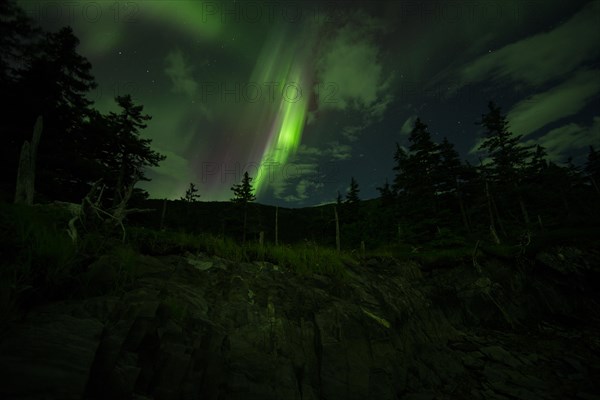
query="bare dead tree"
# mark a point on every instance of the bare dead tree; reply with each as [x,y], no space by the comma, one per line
[26,170]
[90,210]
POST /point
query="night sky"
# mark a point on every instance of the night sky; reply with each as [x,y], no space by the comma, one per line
[303,95]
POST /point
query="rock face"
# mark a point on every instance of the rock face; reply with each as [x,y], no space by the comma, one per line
[200,327]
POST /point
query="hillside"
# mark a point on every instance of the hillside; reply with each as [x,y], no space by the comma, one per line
[175,316]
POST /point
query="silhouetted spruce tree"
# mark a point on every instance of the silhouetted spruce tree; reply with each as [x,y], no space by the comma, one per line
[471,189]
[386,214]
[386,195]
[131,153]
[449,175]
[508,156]
[352,195]
[244,194]
[54,83]
[538,163]
[577,192]
[351,223]
[420,169]
[191,194]
[401,168]
[449,169]
[592,168]
[18,36]
[539,183]
[338,199]
[423,161]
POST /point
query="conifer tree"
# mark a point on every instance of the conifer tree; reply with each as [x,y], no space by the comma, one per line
[18,36]
[352,195]
[131,152]
[191,194]
[338,199]
[449,169]
[386,194]
[448,179]
[508,156]
[592,168]
[244,194]
[422,162]
[54,82]
[416,178]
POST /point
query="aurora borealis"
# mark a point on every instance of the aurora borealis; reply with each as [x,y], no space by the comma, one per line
[305,95]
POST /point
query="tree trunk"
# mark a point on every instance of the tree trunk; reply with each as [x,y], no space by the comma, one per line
[565,202]
[524,211]
[337,229]
[245,219]
[276,225]
[500,223]
[494,235]
[463,213]
[491,213]
[595,184]
[522,206]
[26,171]
[119,190]
[23,191]
[162,217]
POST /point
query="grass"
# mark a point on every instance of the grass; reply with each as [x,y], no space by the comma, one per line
[39,258]
[33,245]
[426,255]
[37,255]
[302,258]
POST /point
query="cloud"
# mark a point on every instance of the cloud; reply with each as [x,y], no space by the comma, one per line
[338,151]
[296,182]
[310,169]
[180,74]
[559,102]
[171,178]
[352,132]
[408,125]
[349,70]
[545,56]
[173,166]
[303,190]
[305,150]
[560,142]
[378,109]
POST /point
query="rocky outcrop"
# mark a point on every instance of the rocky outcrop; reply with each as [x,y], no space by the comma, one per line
[200,327]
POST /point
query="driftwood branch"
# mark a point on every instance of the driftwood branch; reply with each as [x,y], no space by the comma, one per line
[90,207]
